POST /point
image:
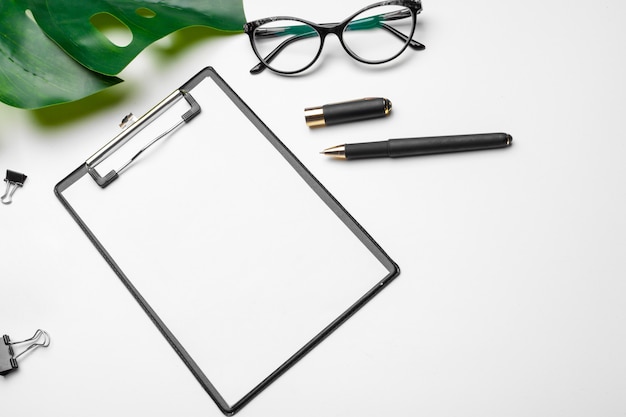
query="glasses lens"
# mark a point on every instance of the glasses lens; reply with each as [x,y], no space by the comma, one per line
[286,45]
[379,34]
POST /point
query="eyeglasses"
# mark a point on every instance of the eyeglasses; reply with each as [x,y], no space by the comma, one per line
[375,34]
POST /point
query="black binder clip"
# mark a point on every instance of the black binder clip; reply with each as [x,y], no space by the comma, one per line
[8,358]
[13,180]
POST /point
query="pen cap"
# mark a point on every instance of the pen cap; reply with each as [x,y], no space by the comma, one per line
[348,111]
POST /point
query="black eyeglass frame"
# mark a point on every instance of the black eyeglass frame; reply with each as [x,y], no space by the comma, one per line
[415,6]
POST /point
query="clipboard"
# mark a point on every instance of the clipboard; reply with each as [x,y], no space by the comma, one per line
[240,257]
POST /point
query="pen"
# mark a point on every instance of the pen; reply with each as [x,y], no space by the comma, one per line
[348,111]
[394,148]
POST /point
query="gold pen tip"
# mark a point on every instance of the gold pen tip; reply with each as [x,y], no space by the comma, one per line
[336,151]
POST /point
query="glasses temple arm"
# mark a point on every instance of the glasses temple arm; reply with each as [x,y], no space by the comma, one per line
[378,21]
[412,42]
[270,57]
[282,31]
[304,29]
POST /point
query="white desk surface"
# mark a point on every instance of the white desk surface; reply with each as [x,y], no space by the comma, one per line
[512,296]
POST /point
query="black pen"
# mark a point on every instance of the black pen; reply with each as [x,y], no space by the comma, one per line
[395,148]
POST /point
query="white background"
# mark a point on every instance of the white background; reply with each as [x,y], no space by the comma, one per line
[512,295]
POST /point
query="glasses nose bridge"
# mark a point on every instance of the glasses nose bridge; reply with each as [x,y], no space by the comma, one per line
[336,29]
[328,28]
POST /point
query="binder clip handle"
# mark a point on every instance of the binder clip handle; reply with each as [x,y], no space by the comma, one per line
[8,356]
[14,180]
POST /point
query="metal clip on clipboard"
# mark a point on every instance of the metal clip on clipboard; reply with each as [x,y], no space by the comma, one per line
[250,268]
[133,129]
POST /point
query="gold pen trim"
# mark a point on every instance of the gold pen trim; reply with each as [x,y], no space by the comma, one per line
[387,106]
[338,151]
[314,117]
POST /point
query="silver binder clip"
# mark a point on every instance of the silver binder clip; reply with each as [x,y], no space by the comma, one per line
[13,180]
[8,358]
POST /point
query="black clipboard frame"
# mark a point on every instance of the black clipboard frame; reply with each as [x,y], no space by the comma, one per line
[185,92]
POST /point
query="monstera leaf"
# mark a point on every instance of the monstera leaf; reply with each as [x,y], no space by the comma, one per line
[52,51]
[34,71]
[69,24]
